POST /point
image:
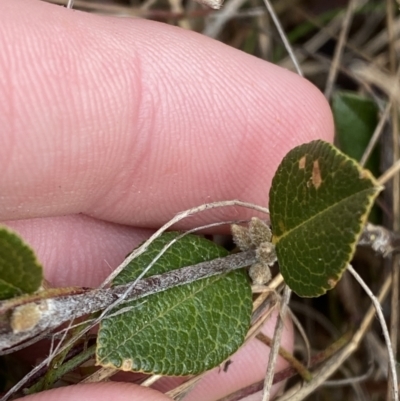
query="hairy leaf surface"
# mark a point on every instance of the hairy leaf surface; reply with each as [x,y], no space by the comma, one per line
[20,271]
[183,330]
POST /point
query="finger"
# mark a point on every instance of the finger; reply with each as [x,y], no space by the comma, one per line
[99,392]
[78,250]
[132,121]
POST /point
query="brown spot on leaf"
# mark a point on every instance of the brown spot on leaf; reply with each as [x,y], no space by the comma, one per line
[127,365]
[316,178]
[302,163]
[332,282]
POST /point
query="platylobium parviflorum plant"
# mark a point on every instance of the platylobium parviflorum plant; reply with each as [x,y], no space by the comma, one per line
[180,304]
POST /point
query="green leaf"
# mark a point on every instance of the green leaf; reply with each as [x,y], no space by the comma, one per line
[356,118]
[20,271]
[184,330]
[319,201]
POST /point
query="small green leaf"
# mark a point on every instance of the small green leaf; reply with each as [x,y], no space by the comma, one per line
[20,271]
[355,119]
[184,330]
[319,201]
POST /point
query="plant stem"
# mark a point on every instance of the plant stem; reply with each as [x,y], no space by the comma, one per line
[64,308]
[66,367]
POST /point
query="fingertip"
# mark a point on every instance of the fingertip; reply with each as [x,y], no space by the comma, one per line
[99,392]
[132,121]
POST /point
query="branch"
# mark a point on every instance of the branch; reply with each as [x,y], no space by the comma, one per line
[53,311]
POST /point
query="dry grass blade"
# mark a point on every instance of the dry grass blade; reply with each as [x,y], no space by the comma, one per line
[100,375]
[315,42]
[276,344]
[303,335]
[339,48]
[392,362]
[300,391]
[394,315]
[283,37]
[376,134]
[390,173]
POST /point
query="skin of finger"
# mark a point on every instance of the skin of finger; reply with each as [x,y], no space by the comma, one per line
[78,250]
[99,392]
[132,121]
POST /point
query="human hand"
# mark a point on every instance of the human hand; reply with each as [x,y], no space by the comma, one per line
[112,126]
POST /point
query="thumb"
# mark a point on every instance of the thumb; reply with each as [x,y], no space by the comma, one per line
[132,121]
[100,392]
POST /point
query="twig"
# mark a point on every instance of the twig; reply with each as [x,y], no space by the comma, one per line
[60,309]
[380,239]
[66,308]
[176,219]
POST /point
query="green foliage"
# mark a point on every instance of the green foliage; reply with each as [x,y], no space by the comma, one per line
[184,330]
[355,119]
[319,200]
[20,271]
